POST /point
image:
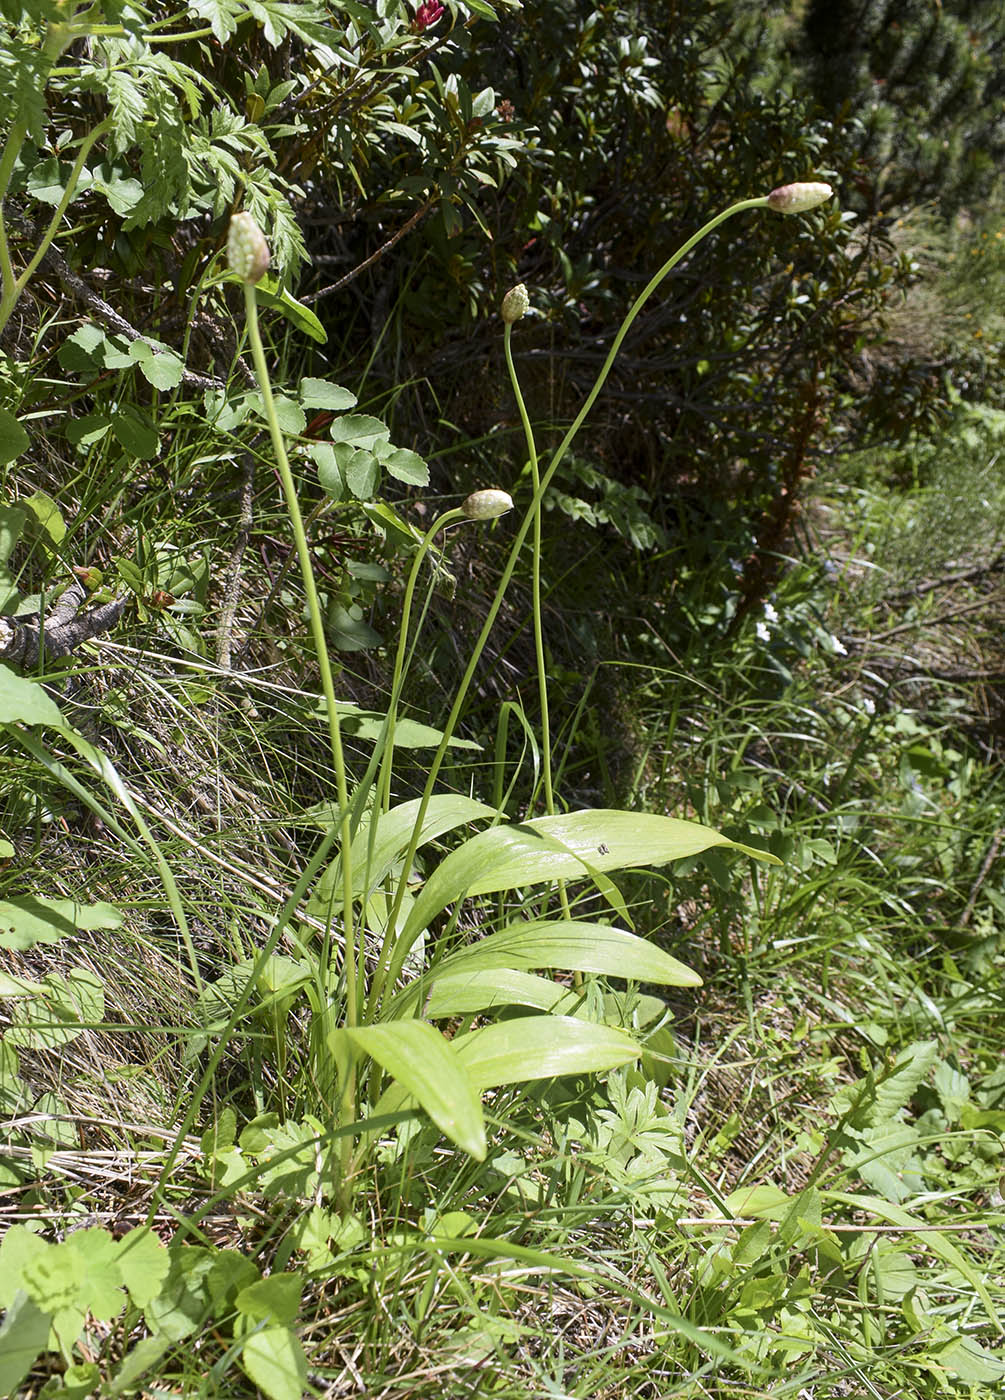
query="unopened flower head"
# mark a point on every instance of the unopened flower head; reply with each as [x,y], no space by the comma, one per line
[487,504]
[427,13]
[247,250]
[515,304]
[796,199]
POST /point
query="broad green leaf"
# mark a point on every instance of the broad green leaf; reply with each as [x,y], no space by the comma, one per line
[143,1264]
[267,294]
[349,631]
[161,368]
[24,1334]
[968,1360]
[465,993]
[135,432]
[362,474]
[540,1047]
[81,352]
[329,472]
[574,946]
[180,1306]
[85,432]
[23,701]
[12,523]
[445,812]
[47,513]
[290,416]
[66,1006]
[275,1362]
[322,393]
[392,525]
[426,1065]
[408,733]
[564,847]
[33,919]
[407,466]
[145,1354]
[272,1299]
[13,438]
[48,180]
[359,429]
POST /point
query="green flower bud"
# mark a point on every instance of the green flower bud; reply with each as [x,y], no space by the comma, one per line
[515,304]
[796,199]
[247,250]
[487,504]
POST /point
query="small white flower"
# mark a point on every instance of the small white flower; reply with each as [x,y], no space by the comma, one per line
[869,705]
[763,632]
[837,646]
[770,614]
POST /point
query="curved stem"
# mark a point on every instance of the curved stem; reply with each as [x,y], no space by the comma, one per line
[521,535]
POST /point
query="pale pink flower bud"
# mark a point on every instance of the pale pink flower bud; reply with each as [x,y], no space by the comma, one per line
[515,304]
[247,250]
[796,199]
[487,504]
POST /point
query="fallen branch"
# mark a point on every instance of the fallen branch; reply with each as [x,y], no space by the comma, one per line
[58,633]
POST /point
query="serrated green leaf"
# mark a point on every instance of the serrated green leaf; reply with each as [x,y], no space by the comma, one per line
[322,393]
[359,429]
[407,466]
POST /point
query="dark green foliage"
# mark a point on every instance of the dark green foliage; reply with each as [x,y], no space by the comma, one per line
[926,81]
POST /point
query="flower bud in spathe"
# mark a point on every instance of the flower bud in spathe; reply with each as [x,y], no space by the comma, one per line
[515,304]
[247,250]
[796,199]
[487,504]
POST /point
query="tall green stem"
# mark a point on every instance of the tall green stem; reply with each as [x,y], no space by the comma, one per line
[401,953]
[352,965]
[535,472]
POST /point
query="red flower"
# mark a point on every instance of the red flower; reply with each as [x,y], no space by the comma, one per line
[427,13]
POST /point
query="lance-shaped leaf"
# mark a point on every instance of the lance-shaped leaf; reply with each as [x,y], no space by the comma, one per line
[426,1065]
[394,831]
[572,945]
[541,1047]
[564,847]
